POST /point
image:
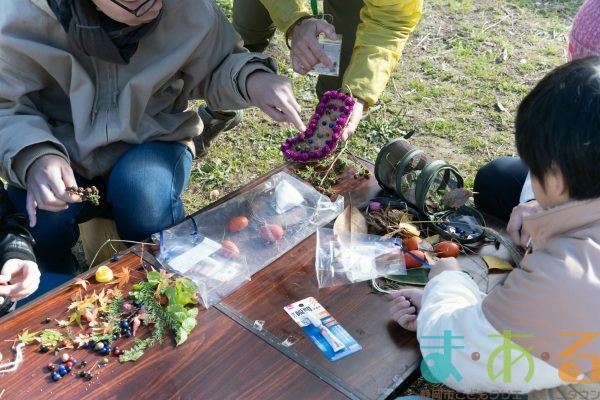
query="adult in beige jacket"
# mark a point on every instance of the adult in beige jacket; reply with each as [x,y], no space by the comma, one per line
[96,92]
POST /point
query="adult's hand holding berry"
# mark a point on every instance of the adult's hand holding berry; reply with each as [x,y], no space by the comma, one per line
[47,180]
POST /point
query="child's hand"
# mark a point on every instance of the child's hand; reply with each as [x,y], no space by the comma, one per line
[515,224]
[405,307]
[19,279]
[444,264]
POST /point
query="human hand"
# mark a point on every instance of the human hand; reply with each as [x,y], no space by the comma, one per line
[274,95]
[47,180]
[354,120]
[19,279]
[444,264]
[305,51]
[405,306]
[515,224]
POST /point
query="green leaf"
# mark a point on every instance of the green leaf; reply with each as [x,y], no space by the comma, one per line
[153,278]
[414,276]
[180,316]
[76,317]
[180,337]
[192,312]
[171,293]
[188,324]
[50,337]
[26,337]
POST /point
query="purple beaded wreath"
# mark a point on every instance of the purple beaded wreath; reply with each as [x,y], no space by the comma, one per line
[324,129]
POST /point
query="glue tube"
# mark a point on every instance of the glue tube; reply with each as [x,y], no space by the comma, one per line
[336,344]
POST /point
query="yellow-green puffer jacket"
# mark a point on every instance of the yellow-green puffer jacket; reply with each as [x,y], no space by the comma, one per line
[380,38]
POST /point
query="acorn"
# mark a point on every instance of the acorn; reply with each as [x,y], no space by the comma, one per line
[237,223]
[271,233]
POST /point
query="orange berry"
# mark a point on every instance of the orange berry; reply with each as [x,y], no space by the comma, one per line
[412,243]
[229,249]
[411,258]
[271,232]
[447,249]
[238,223]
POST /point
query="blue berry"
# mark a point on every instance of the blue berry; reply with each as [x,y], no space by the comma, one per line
[124,324]
[56,376]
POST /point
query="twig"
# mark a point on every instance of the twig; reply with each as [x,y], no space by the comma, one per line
[110,241]
[333,162]
[496,23]
[422,40]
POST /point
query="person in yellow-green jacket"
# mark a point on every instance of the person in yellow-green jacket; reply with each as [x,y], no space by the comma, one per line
[374,33]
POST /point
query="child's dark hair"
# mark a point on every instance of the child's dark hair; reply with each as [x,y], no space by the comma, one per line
[558,124]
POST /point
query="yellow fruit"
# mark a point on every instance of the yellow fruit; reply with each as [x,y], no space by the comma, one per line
[104,274]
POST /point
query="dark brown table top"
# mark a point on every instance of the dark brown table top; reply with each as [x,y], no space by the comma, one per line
[226,357]
[220,360]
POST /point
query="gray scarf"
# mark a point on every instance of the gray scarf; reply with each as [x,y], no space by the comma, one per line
[98,35]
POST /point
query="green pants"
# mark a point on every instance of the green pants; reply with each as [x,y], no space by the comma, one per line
[252,21]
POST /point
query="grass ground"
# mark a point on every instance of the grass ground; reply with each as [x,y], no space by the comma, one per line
[463,73]
[464,70]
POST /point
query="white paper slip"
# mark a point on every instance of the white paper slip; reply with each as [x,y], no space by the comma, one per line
[202,250]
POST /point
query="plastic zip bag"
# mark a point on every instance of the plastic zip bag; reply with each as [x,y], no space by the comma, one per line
[348,257]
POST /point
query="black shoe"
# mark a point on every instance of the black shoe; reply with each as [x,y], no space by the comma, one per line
[214,122]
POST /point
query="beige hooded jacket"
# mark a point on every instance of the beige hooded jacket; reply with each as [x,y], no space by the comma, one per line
[547,307]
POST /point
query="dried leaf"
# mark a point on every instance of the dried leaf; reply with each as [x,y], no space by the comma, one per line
[135,324]
[81,339]
[456,198]
[350,220]
[497,264]
[81,282]
[122,278]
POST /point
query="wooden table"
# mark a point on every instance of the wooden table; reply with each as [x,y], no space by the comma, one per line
[227,357]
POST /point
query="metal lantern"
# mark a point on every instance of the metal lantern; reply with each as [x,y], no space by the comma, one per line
[417,179]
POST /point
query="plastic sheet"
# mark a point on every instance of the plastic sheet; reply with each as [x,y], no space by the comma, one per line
[271,219]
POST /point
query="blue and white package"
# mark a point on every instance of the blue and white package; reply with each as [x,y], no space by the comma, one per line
[316,323]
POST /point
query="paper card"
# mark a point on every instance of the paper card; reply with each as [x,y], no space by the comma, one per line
[333,49]
[322,336]
[193,256]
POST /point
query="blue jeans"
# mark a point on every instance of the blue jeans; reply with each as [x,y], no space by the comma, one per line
[143,192]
